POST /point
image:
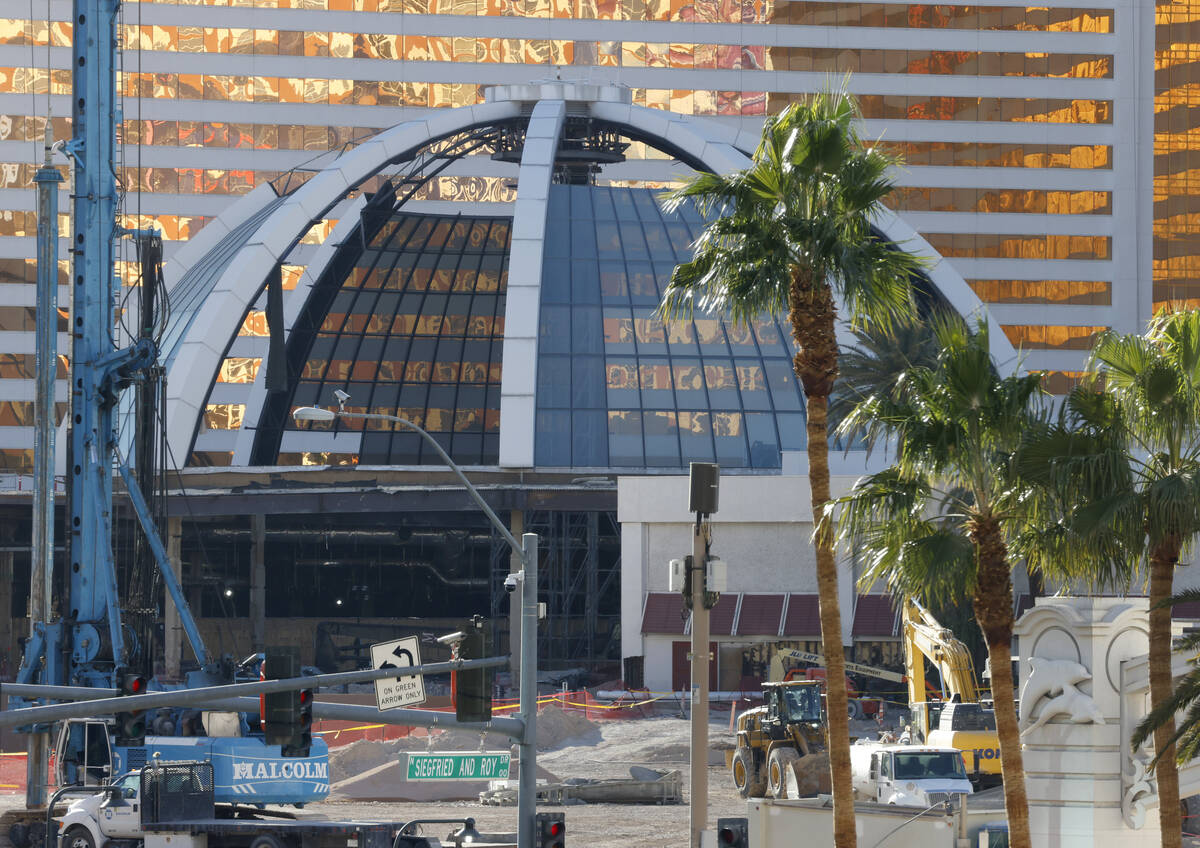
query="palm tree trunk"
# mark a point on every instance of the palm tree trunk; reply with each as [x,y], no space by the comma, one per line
[813,313]
[994,612]
[1162,577]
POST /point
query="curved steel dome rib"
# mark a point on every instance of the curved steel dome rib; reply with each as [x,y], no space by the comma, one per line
[414,313]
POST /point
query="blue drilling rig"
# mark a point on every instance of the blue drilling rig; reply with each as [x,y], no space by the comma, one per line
[89,644]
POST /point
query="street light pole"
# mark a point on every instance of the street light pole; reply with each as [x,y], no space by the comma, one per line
[526,549]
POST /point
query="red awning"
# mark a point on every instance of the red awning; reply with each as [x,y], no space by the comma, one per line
[662,613]
[874,616]
[761,615]
[803,617]
[720,620]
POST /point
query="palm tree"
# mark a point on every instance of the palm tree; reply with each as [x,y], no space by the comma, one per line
[1140,479]
[1185,697]
[943,520]
[791,231]
[880,354]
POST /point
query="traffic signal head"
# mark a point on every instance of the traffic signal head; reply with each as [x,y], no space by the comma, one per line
[302,738]
[286,716]
[131,725]
[733,833]
[473,686]
[550,830]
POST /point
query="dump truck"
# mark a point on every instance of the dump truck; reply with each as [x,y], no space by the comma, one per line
[772,738]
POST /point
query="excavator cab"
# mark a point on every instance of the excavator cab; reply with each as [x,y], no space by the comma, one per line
[82,755]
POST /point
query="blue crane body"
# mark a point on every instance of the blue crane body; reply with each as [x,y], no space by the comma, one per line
[88,644]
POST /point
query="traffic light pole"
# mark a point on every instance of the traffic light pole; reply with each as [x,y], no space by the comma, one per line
[698,785]
[527,782]
[527,756]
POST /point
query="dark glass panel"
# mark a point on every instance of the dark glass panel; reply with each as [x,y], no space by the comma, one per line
[618,330]
[650,335]
[662,438]
[643,290]
[752,383]
[608,240]
[721,381]
[764,444]
[556,281]
[793,432]
[588,383]
[647,209]
[585,282]
[583,241]
[711,335]
[468,447]
[655,377]
[785,393]
[621,378]
[695,437]
[622,199]
[587,329]
[681,337]
[554,382]
[602,204]
[552,439]
[625,438]
[688,377]
[589,438]
[729,433]
[558,243]
[551,335]
[614,287]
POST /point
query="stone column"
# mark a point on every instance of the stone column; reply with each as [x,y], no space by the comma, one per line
[1073,654]
[258,582]
[172,626]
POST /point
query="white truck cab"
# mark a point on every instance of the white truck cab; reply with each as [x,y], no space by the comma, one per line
[907,775]
[112,813]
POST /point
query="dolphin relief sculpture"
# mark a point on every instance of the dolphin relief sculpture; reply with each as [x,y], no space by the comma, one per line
[1055,681]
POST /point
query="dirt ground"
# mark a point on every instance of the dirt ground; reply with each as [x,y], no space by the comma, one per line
[607,751]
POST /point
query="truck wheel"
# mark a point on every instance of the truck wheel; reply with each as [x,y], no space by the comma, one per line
[746,775]
[265,840]
[853,709]
[78,837]
[779,764]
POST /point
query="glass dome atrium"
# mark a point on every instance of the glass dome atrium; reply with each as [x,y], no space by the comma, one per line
[409,320]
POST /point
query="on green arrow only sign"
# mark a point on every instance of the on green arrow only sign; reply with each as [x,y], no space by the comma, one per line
[455,765]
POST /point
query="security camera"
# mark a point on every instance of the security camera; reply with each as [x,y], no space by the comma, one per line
[341,396]
[510,583]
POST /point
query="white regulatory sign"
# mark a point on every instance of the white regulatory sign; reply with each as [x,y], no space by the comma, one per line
[395,692]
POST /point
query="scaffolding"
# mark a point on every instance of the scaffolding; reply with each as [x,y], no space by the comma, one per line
[579,573]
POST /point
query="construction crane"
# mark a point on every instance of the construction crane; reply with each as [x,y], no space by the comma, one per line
[958,719]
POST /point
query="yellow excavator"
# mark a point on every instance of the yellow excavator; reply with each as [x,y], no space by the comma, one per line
[957,719]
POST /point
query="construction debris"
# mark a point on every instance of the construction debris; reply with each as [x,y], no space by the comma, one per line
[644,786]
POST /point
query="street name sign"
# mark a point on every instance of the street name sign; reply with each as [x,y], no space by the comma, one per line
[455,765]
[394,692]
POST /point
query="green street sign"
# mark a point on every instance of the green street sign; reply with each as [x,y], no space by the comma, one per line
[455,765]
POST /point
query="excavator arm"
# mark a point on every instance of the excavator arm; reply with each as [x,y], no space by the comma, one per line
[925,638]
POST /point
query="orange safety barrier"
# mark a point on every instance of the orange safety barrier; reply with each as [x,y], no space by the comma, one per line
[12,773]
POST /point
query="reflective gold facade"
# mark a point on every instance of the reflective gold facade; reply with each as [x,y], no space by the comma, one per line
[1019,173]
[1176,155]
